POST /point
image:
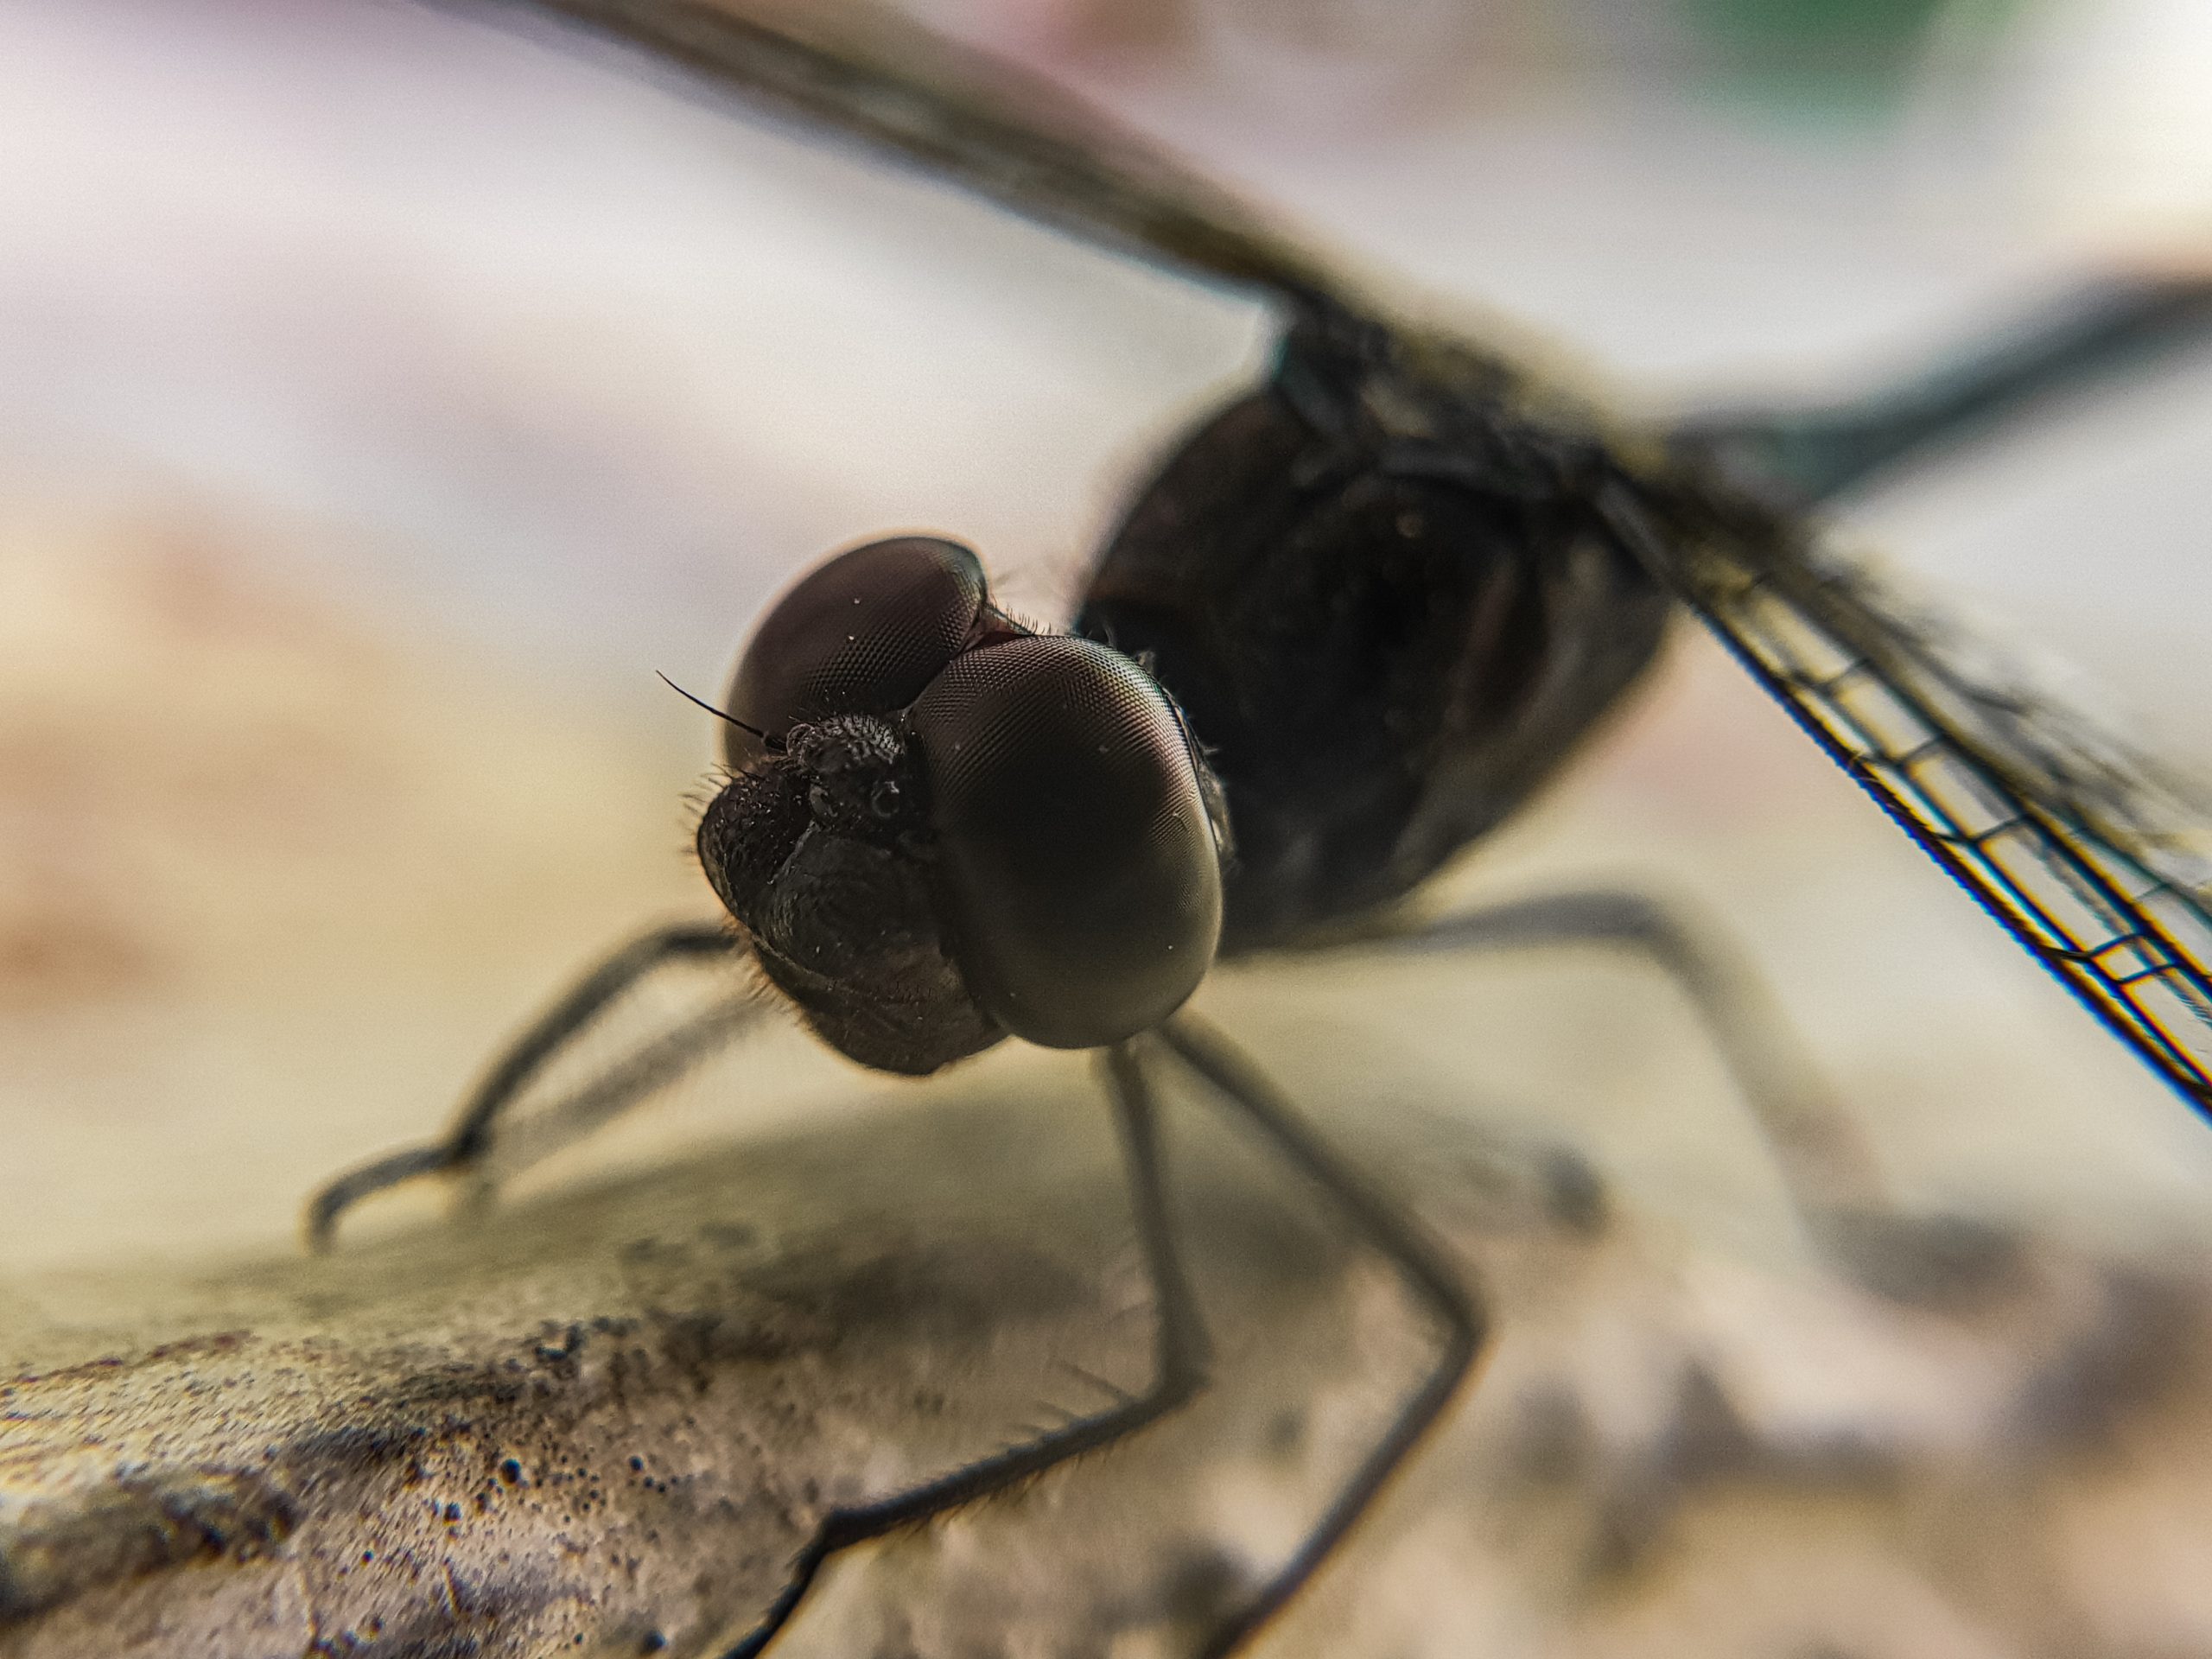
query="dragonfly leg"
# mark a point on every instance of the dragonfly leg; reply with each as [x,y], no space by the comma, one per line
[1825,1164]
[1824,1161]
[1385,1225]
[466,1147]
[2100,333]
[1182,1354]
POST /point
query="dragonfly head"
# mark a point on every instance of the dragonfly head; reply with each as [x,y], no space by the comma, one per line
[941,828]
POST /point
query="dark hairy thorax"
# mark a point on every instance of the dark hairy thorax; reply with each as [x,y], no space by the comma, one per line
[1383,594]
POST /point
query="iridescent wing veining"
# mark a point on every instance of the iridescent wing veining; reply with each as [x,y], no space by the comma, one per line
[2094,857]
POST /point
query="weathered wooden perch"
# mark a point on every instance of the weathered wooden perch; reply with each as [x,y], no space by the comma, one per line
[604,1420]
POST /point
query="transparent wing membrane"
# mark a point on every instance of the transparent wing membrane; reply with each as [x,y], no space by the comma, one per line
[2090,855]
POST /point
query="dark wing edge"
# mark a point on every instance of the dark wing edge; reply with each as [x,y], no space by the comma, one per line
[2104,329]
[852,68]
[2093,857]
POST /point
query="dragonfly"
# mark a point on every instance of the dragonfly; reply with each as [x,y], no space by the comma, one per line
[1354,620]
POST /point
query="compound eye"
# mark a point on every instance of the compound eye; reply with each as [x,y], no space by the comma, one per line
[861,635]
[1084,886]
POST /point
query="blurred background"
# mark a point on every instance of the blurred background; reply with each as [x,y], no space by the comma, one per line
[386,392]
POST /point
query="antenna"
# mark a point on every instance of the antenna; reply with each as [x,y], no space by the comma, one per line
[773,745]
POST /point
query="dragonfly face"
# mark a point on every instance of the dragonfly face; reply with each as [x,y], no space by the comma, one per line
[944,828]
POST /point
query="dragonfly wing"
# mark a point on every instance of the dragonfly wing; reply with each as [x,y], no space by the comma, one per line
[2095,858]
[2102,331]
[854,69]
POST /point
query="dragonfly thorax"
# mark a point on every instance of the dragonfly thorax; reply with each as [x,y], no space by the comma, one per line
[1388,632]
